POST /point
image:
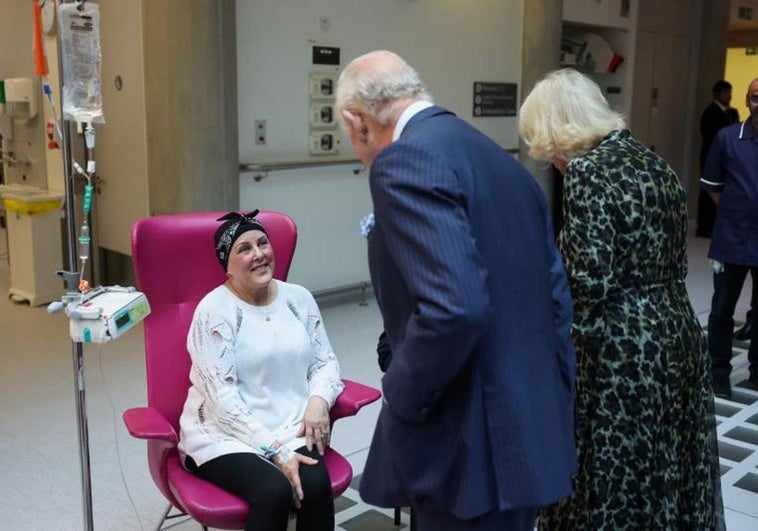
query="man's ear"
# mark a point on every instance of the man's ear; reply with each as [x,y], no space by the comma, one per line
[356,124]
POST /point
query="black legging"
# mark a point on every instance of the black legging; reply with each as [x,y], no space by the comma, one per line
[269,493]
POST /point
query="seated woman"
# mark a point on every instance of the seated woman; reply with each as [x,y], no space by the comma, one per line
[264,376]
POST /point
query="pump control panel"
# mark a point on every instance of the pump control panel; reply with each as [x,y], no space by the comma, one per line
[107,315]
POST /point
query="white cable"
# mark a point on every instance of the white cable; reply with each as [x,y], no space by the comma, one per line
[115,436]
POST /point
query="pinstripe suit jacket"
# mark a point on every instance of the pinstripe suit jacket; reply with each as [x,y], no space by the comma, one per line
[478,411]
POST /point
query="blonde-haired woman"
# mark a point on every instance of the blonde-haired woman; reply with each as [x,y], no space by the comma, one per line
[645,422]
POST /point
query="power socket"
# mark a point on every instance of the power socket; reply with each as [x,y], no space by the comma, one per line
[322,85]
[260,132]
[324,143]
[322,115]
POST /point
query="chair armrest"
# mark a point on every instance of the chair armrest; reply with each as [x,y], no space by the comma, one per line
[353,398]
[148,423]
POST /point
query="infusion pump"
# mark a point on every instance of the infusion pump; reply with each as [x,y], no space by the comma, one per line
[106,314]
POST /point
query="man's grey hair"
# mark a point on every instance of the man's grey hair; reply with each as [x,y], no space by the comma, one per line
[376,83]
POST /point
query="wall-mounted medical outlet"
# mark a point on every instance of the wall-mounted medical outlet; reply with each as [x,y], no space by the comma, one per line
[322,115]
[324,143]
[260,132]
[322,85]
[21,95]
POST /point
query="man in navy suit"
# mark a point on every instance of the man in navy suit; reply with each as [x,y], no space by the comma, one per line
[476,428]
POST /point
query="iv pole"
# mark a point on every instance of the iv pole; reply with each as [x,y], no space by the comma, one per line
[71,279]
[77,289]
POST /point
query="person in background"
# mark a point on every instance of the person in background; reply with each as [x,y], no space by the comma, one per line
[730,176]
[745,332]
[717,115]
[476,426]
[645,430]
[714,118]
[264,376]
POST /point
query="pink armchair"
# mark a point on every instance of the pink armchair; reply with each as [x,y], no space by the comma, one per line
[175,266]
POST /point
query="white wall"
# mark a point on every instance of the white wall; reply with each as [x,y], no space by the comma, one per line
[604,18]
[598,12]
[451,44]
[16,60]
[658,41]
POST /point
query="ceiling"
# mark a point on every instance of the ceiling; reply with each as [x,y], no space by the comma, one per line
[743,32]
[740,24]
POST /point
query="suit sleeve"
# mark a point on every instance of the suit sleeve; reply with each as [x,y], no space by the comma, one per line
[419,205]
[706,127]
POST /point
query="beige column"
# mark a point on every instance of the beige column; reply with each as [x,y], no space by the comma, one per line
[711,37]
[541,54]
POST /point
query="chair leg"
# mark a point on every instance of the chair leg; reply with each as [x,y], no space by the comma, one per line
[397,515]
[168,516]
[163,518]
[414,526]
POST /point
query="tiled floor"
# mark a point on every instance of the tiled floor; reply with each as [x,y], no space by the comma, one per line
[39,453]
[738,444]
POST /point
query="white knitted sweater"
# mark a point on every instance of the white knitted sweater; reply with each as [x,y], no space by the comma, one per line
[253,370]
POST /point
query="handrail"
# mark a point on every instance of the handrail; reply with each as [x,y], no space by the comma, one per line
[262,168]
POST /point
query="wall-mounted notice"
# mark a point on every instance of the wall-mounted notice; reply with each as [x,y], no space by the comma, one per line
[494,99]
[326,55]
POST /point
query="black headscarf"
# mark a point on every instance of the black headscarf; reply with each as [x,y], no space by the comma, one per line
[235,224]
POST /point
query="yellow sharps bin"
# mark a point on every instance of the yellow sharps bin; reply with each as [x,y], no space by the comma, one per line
[34,244]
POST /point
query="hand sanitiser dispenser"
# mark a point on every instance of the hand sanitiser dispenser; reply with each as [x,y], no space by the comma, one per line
[21,98]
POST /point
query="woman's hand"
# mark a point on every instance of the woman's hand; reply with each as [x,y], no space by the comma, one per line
[291,469]
[315,425]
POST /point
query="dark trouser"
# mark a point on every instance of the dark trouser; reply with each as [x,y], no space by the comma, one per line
[517,520]
[727,287]
[269,493]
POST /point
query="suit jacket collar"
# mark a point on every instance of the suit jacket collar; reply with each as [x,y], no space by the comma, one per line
[419,117]
[412,110]
[720,106]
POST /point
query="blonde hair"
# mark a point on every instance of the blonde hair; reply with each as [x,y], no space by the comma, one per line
[376,83]
[565,116]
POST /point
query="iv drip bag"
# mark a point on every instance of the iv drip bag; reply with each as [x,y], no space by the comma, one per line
[81,61]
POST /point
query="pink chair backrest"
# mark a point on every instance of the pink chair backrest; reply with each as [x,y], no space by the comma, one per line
[175,266]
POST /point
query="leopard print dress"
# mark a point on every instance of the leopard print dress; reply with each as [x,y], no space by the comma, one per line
[645,422]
